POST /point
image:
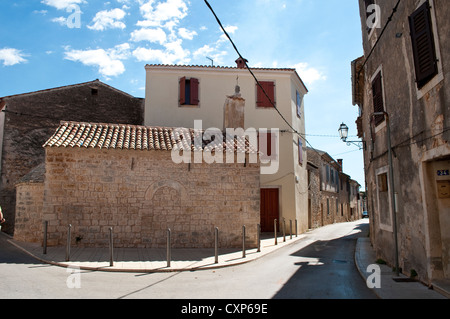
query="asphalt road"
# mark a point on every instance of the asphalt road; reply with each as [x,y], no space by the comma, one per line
[319,266]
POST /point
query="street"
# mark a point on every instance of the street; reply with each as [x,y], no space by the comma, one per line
[321,265]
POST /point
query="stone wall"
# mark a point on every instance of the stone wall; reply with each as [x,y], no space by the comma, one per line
[142,193]
[31,118]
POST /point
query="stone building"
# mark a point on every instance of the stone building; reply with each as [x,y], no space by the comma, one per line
[28,120]
[401,86]
[99,176]
[333,196]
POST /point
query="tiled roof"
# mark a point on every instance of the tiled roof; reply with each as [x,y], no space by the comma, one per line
[215,67]
[134,137]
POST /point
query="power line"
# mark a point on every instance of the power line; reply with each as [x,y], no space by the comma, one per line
[257,81]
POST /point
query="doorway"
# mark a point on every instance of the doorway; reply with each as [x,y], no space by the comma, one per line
[269,208]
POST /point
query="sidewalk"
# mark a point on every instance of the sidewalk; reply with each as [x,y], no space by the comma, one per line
[389,288]
[147,260]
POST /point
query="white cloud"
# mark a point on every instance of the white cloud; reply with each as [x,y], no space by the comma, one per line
[62,4]
[61,20]
[309,74]
[108,61]
[186,34]
[108,19]
[151,35]
[173,54]
[163,12]
[11,56]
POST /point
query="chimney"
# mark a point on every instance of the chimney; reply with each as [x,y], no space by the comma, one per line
[233,110]
[241,63]
[340,164]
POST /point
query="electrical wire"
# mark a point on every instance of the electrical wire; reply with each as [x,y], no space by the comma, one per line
[257,81]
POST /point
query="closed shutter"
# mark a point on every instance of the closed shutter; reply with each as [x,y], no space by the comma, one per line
[261,98]
[378,105]
[424,51]
[194,91]
[183,91]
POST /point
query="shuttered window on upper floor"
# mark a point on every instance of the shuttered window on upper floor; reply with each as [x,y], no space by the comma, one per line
[378,103]
[423,45]
[263,100]
[189,91]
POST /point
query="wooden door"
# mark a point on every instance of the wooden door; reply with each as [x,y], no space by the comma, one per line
[269,208]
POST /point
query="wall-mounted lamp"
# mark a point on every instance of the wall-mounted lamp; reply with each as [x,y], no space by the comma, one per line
[343,133]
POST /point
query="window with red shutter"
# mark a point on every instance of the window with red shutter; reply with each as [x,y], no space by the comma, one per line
[378,104]
[263,100]
[189,91]
[182,91]
[424,50]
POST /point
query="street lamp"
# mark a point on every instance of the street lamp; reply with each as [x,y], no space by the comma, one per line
[343,133]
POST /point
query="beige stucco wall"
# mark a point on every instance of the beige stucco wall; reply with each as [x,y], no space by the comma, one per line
[142,193]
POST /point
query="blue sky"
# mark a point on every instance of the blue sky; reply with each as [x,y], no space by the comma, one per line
[51,43]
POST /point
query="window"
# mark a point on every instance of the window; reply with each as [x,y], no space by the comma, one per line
[424,50]
[299,104]
[267,145]
[261,99]
[189,91]
[378,103]
[300,152]
[382,183]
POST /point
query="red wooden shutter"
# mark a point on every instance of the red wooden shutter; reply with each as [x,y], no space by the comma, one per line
[261,98]
[378,105]
[424,51]
[194,91]
[183,90]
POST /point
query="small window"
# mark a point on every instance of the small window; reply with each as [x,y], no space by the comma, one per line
[263,100]
[382,183]
[94,91]
[267,145]
[189,91]
[378,103]
[300,152]
[299,104]
[424,50]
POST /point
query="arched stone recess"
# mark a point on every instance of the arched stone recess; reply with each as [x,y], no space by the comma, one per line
[152,189]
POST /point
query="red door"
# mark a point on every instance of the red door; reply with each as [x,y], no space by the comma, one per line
[269,208]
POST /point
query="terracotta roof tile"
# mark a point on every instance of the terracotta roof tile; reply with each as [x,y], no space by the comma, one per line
[134,137]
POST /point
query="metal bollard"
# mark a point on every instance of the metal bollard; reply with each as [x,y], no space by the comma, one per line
[111,247]
[44,245]
[275,230]
[68,242]
[290,228]
[169,252]
[296,228]
[284,229]
[243,241]
[258,237]
[216,245]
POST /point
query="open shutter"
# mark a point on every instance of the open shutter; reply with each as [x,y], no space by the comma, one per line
[378,105]
[424,51]
[261,98]
[300,152]
[194,91]
[183,91]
